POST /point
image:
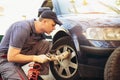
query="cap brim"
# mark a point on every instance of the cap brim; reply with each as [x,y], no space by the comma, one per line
[58,22]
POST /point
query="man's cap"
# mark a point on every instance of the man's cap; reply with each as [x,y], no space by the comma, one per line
[49,14]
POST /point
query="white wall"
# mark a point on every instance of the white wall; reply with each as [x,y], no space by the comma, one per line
[15,10]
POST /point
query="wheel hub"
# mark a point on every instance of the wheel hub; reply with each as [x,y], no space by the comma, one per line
[64,63]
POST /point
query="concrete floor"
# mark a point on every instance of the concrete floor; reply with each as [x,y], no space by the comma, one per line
[45,77]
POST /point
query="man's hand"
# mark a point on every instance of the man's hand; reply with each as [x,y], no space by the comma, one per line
[41,58]
[54,57]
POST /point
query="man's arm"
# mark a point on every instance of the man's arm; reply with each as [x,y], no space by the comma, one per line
[14,55]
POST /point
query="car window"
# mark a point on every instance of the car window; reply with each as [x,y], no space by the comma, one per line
[88,7]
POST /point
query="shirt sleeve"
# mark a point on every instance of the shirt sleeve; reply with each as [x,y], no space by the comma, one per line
[18,36]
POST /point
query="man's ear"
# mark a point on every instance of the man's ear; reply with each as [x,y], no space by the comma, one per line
[44,20]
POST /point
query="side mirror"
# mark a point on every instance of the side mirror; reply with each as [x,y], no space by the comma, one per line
[41,9]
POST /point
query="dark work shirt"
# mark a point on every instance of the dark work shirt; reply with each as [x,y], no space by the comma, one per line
[20,35]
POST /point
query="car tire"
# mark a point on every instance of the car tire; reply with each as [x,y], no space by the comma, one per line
[68,68]
[112,67]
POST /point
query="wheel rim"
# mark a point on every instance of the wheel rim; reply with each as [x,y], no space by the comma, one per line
[66,68]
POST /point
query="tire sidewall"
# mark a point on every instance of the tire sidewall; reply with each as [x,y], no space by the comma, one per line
[112,67]
[63,41]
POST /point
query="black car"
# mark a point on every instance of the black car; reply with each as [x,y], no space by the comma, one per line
[91,31]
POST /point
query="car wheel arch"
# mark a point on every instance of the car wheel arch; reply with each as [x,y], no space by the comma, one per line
[59,35]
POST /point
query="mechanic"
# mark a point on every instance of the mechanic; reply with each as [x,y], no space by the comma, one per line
[25,42]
